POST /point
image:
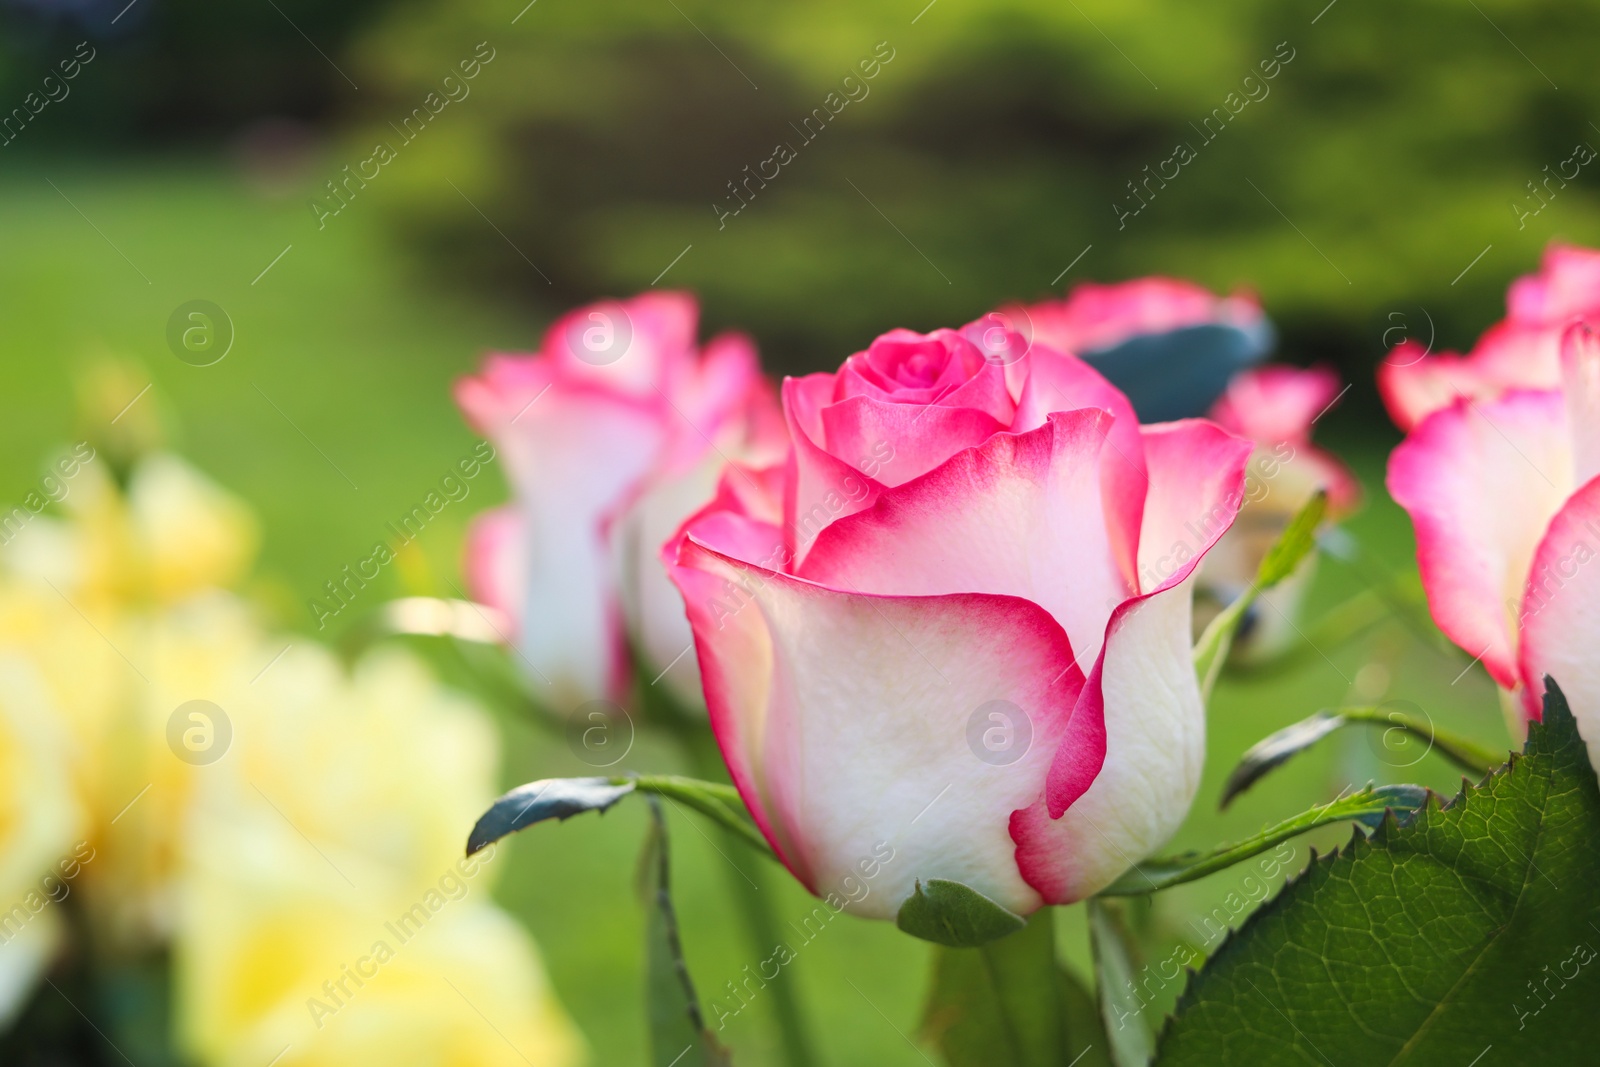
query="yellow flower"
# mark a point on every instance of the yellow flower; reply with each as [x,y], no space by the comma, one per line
[327,907]
[39,824]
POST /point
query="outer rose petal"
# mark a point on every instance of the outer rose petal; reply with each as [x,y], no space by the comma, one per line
[844,720]
[1561,615]
[1481,482]
[1019,515]
[495,549]
[1414,385]
[1058,382]
[1568,284]
[1154,743]
[1580,373]
[572,457]
[1196,488]
[1196,484]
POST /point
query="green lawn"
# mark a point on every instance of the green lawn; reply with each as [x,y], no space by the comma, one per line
[331,415]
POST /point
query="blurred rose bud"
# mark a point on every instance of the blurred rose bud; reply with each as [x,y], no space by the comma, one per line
[1522,351]
[1275,407]
[954,630]
[1504,493]
[610,435]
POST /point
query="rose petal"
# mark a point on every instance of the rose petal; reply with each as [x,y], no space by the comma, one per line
[846,721]
[1481,482]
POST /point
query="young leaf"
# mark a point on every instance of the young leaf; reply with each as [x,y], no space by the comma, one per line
[1296,542]
[1367,807]
[1010,1002]
[548,798]
[1273,751]
[949,913]
[1471,927]
[1121,1010]
[678,1034]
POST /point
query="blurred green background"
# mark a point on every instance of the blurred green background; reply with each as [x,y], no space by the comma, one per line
[1372,192]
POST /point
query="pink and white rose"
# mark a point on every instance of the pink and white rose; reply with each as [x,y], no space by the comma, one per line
[1504,492]
[611,434]
[1523,351]
[955,623]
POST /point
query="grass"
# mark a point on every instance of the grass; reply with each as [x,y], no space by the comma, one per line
[332,414]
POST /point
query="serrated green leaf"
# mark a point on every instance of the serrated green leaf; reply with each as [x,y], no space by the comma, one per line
[678,1034]
[1472,927]
[1010,1002]
[950,913]
[1296,542]
[1366,806]
[1128,1033]
[1273,751]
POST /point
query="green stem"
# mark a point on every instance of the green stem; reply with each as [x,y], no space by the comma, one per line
[760,922]
[1157,874]
[1463,752]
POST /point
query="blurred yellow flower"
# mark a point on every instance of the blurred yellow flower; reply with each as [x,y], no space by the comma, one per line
[39,823]
[328,909]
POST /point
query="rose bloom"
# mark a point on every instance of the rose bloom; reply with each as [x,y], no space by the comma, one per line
[1504,496]
[1274,406]
[1523,351]
[611,435]
[950,636]
[1171,345]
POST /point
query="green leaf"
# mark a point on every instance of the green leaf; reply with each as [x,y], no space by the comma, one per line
[548,798]
[949,913]
[678,1034]
[1296,542]
[1273,751]
[562,798]
[1010,1002]
[1473,926]
[1121,1010]
[1367,807]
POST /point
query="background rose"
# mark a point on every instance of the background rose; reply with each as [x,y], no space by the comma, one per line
[1274,406]
[611,434]
[1521,351]
[1504,496]
[1170,345]
[970,536]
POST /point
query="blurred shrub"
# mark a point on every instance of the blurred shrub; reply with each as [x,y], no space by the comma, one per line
[989,152]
